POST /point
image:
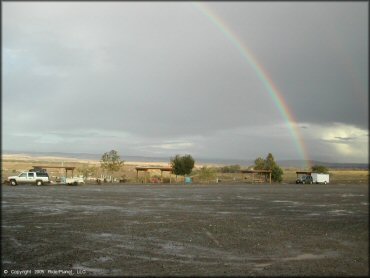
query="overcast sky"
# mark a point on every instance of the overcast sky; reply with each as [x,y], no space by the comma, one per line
[160,78]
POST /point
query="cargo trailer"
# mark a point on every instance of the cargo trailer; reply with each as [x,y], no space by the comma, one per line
[320,178]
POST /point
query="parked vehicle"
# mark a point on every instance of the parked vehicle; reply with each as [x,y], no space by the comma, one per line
[74,180]
[320,178]
[304,179]
[32,177]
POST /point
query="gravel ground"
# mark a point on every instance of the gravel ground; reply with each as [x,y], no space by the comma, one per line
[168,230]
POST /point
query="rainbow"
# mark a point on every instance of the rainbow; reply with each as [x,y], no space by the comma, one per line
[272,90]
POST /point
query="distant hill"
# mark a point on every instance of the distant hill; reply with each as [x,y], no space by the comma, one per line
[342,165]
[246,162]
[301,164]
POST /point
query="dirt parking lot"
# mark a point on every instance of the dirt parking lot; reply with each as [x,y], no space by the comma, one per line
[171,230]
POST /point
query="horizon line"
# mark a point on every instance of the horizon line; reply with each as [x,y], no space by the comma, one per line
[10,152]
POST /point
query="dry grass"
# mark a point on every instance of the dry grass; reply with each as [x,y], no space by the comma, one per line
[336,175]
[13,164]
[349,176]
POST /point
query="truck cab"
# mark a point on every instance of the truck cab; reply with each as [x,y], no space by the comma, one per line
[305,179]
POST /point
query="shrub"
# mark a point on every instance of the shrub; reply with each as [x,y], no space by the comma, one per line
[206,173]
[230,169]
[165,180]
[319,169]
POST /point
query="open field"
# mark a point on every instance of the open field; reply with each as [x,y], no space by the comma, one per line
[11,164]
[344,176]
[215,229]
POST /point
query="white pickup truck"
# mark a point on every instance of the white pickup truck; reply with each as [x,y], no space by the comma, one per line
[38,178]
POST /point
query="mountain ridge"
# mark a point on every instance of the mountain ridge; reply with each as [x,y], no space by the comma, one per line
[243,162]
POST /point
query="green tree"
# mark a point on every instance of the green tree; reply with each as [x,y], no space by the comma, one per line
[111,161]
[269,164]
[319,169]
[182,165]
[259,163]
[277,174]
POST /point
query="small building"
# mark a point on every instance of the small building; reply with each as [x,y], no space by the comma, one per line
[146,169]
[303,173]
[259,176]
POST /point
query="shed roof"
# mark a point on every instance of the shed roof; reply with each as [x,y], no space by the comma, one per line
[153,168]
[256,171]
[57,167]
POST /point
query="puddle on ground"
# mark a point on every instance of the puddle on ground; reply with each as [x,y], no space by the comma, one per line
[104,259]
[261,266]
[13,226]
[309,256]
[352,195]
[340,212]
[328,205]
[290,202]
[224,212]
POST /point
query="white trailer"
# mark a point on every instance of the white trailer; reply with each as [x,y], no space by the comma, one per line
[74,180]
[320,178]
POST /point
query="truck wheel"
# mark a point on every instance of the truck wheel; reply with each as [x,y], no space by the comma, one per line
[13,182]
[38,183]
[324,182]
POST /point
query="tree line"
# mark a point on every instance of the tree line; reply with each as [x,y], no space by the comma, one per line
[183,165]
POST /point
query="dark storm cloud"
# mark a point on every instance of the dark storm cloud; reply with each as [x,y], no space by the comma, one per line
[151,86]
[162,75]
[315,53]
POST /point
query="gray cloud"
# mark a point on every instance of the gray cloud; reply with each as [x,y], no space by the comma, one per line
[345,138]
[325,78]
[163,76]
